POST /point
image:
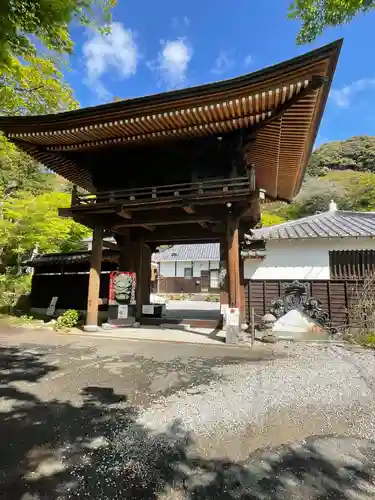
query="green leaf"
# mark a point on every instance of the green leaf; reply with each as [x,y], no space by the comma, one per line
[33,221]
[316,15]
[27,25]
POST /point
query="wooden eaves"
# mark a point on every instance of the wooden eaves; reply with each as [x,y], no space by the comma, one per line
[282,105]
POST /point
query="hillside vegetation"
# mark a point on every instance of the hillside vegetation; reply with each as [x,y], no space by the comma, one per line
[29,221]
[343,171]
[356,153]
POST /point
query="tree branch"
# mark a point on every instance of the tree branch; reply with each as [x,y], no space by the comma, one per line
[23,90]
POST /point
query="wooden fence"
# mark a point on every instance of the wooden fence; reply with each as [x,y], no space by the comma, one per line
[349,264]
[336,296]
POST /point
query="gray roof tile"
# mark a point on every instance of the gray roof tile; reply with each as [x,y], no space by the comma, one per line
[208,251]
[67,258]
[331,224]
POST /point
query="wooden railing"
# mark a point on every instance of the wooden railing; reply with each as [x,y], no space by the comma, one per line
[206,189]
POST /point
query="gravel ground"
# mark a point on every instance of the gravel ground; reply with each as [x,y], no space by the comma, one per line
[327,377]
[89,418]
[300,427]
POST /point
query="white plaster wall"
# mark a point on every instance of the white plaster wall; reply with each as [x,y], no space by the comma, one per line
[300,259]
[167,269]
[200,265]
[181,265]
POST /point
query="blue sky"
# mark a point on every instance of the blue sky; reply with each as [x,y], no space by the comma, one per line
[161,45]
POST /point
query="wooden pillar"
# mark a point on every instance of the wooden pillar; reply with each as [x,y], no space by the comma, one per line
[223,265]
[94,280]
[243,304]
[146,274]
[224,280]
[74,196]
[128,251]
[243,283]
[139,257]
[143,273]
[233,276]
[233,263]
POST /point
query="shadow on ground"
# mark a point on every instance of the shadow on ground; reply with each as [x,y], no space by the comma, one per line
[97,450]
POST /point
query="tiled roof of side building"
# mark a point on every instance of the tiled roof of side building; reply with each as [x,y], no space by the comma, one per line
[208,251]
[68,258]
[331,224]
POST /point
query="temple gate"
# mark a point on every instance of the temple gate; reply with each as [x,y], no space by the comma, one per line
[184,166]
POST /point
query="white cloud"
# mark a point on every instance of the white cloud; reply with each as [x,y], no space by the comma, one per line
[248,61]
[222,64]
[343,97]
[115,52]
[173,61]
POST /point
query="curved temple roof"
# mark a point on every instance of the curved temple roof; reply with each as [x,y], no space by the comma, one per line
[283,104]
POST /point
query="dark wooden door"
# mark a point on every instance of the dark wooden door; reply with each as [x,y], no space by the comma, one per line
[205,281]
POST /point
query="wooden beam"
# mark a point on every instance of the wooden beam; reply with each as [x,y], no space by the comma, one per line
[153,224]
[124,214]
[248,208]
[172,219]
[65,212]
[179,233]
[111,245]
[214,199]
[149,228]
[128,212]
[189,209]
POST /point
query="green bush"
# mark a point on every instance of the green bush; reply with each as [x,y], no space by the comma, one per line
[12,287]
[68,319]
[24,320]
[367,340]
[213,298]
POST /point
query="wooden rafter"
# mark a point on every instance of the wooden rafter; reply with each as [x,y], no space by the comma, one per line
[254,102]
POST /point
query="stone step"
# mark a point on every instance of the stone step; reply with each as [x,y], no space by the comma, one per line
[195,323]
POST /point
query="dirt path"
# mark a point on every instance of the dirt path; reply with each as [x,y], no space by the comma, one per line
[91,418]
